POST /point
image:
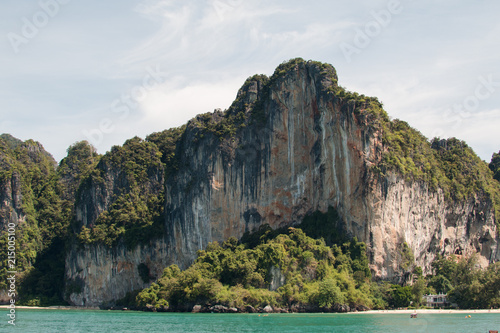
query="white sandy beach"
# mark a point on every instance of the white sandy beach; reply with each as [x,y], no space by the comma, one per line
[61,307]
[427,311]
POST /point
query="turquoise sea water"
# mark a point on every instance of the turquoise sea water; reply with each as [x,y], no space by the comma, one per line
[130,321]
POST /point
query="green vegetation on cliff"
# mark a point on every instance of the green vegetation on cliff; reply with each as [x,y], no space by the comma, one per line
[495,165]
[81,159]
[466,174]
[237,275]
[135,215]
[450,165]
[28,172]
[410,153]
[42,201]
[132,217]
[137,207]
[167,142]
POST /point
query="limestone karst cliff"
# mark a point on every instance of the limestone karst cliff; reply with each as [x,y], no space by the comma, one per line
[289,145]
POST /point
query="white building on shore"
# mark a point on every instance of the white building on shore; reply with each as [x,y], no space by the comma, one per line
[436,301]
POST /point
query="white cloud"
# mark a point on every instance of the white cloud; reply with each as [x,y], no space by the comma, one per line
[169,105]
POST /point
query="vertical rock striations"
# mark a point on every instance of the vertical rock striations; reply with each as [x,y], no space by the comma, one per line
[289,145]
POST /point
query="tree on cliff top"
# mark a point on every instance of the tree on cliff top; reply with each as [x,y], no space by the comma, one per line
[495,165]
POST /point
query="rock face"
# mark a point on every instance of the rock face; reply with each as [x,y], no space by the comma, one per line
[99,275]
[277,278]
[11,214]
[411,212]
[11,201]
[311,151]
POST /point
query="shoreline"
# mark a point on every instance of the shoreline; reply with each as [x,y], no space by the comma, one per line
[401,311]
[52,307]
[430,311]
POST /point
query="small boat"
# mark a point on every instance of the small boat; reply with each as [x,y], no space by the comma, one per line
[413,315]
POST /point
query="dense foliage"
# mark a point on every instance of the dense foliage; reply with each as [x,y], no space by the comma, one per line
[495,165]
[236,275]
[26,165]
[45,213]
[409,152]
[136,211]
[466,285]
[465,172]
[81,159]
[315,277]
[167,142]
[450,165]
[132,217]
[222,127]
[43,285]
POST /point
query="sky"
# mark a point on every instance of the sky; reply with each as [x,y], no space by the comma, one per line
[106,71]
